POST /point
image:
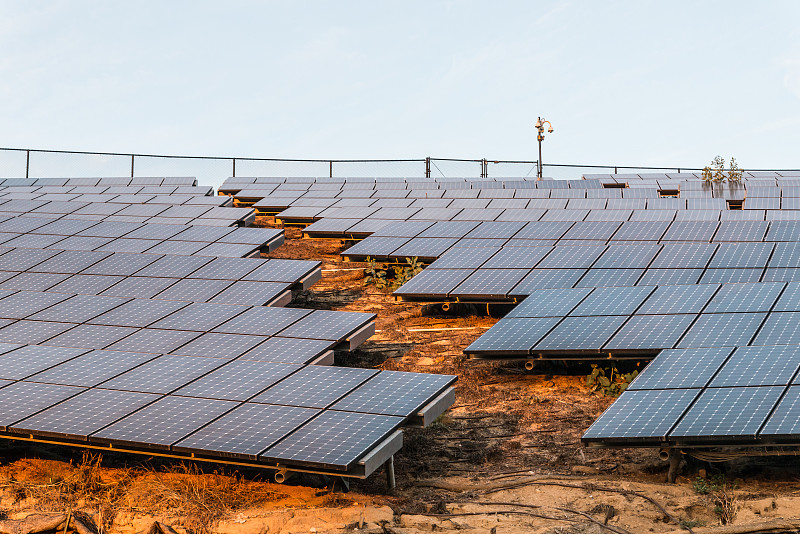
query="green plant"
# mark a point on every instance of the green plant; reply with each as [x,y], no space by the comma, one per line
[722,495]
[716,171]
[609,380]
[375,274]
[404,273]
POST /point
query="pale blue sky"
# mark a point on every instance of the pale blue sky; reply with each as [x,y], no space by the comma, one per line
[629,82]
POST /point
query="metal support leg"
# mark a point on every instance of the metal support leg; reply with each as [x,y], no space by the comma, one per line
[675,458]
[390,481]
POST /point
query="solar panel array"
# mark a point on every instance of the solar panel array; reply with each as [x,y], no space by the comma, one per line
[128,321]
[696,397]
[706,277]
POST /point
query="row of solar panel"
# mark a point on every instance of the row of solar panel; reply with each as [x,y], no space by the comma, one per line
[72,192]
[105,181]
[639,320]
[40,232]
[701,396]
[51,318]
[324,416]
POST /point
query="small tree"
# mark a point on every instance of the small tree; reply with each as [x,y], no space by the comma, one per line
[715,173]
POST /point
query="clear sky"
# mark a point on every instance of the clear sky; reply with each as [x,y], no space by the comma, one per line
[625,83]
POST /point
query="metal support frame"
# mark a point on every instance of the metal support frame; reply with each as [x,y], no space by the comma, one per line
[390,480]
[132,159]
[234,168]
[428,167]
[27,163]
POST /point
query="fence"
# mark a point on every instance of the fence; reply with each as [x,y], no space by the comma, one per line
[34,163]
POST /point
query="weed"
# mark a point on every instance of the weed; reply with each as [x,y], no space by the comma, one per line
[608,380]
[721,494]
[375,274]
[716,171]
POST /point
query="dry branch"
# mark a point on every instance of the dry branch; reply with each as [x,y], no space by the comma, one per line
[774,526]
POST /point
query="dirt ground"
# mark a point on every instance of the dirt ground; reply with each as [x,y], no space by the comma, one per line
[506,458]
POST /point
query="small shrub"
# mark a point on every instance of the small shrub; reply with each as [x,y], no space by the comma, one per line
[608,380]
[375,274]
[715,173]
[721,494]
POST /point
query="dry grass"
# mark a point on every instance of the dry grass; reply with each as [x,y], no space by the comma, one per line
[192,498]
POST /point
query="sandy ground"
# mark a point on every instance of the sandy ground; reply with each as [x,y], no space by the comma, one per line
[506,458]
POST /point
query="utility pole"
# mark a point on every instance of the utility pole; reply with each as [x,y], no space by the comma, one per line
[540,122]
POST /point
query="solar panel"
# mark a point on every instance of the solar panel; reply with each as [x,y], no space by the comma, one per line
[250,293]
[138,312]
[780,328]
[785,255]
[193,290]
[164,422]
[547,279]
[434,282]
[224,346]
[572,257]
[314,386]
[627,256]
[32,281]
[679,299]
[90,336]
[23,399]
[739,231]
[575,334]
[681,369]
[330,325]
[722,329]
[464,258]
[247,430]
[163,374]
[70,262]
[782,275]
[650,332]
[591,230]
[376,246]
[660,277]
[83,284]
[785,420]
[613,301]
[549,303]
[287,350]
[759,366]
[684,256]
[727,412]
[544,230]
[91,368]
[490,283]
[510,336]
[27,360]
[644,416]
[24,259]
[741,255]
[25,303]
[691,231]
[517,257]
[745,297]
[731,276]
[237,380]
[174,266]
[333,439]
[263,321]
[131,246]
[394,393]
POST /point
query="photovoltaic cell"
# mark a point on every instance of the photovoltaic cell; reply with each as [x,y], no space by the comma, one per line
[163,374]
[549,302]
[679,299]
[759,366]
[722,329]
[580,333]
[745,298]
[263,321]
[785,419]
[394,393]
[641,415]
[91,368]
[288,350]
[610,277]
[164,422]
[513,335]
[225,346]
[684,256]
[613,301]
[90,336]
[28,360]
[334,439]
[315,386]
[650,332]
[547,279]
[727,413]
[681,369]
[237,380]
[490,282]
[23,399]
[83,414]
[780,328]
[247,430]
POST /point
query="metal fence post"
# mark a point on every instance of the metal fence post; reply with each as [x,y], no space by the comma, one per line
[234,168]
[428,167]
[132,158]
[27,163]
[331,169]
